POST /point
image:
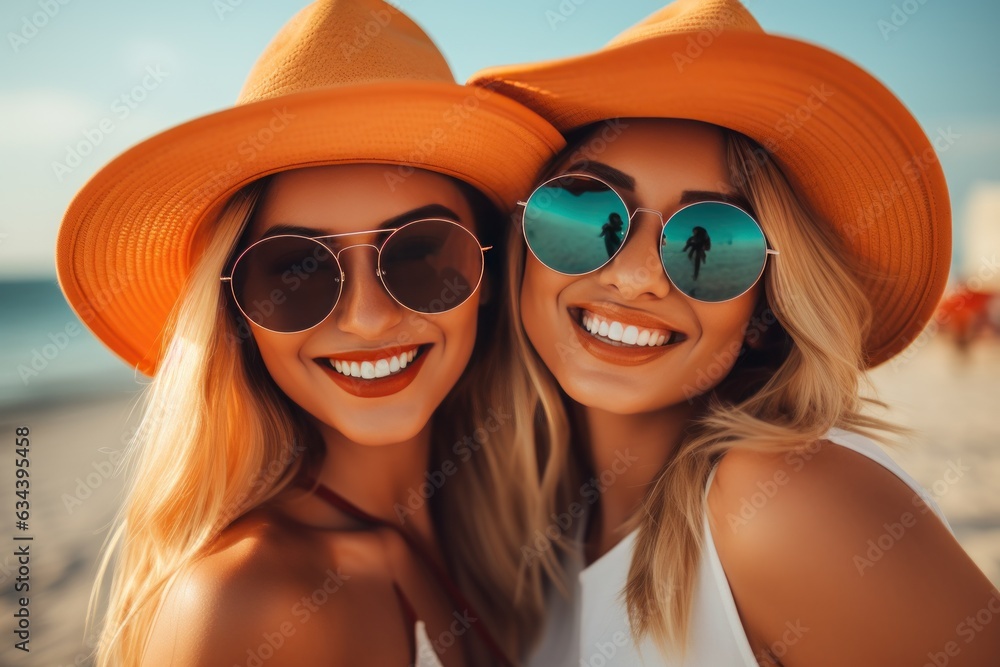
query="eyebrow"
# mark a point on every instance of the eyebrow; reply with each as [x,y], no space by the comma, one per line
[620,179]
[692,196]
[605,171]
[429,211]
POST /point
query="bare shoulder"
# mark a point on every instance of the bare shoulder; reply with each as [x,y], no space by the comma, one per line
[825,543]
[273,593]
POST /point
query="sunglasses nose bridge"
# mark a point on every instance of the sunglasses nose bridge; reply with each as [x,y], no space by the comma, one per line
[653,211]
[341,251]
[633,228]
[365,307]
[639,210]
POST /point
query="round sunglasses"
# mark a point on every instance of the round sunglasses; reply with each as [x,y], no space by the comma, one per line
[712,251]
[289,283]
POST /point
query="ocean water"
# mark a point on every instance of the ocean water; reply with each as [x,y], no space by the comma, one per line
[47,355]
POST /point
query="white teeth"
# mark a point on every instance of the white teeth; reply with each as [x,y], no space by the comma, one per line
[627,334]
[378,368]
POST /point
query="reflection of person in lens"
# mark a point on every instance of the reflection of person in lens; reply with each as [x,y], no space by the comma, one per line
[697,245]
[611,232]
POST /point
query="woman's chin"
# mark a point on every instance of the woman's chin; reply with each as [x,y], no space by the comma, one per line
[376,430]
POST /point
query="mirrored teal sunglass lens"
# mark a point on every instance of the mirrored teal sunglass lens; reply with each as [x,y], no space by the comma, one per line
[713,251]
[575,224]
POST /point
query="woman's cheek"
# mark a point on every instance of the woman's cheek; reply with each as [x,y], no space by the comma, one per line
[539,305]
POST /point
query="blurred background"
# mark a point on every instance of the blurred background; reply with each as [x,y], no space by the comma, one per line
[69,70]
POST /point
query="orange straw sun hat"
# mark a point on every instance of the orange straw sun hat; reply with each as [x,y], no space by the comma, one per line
[847,145]
[345,81]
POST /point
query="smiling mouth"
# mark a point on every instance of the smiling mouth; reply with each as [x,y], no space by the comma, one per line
[376,373]
[374,367]
[624,334]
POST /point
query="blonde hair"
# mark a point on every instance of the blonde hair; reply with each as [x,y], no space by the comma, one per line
[802,377]
[218,438]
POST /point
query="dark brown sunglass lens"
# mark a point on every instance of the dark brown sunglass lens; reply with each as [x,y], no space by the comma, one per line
[432,266]
[287,283]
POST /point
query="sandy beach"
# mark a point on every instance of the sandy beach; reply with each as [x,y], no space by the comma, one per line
[953,401]
[74,495]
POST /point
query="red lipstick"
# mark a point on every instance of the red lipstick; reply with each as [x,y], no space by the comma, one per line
[375,387]
[619,353]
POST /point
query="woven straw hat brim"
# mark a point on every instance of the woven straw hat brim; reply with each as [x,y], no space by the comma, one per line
[132,233]
[847,145]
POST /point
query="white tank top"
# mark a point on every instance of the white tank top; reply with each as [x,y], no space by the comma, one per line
[426,655]
[591,629]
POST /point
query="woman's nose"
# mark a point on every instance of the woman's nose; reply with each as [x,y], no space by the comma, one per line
[636,269]
[365,308]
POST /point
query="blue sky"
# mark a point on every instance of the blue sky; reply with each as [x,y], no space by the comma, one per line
[58,82]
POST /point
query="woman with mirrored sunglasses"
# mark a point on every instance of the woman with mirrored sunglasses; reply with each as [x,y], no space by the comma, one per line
[322,473]
[702,284]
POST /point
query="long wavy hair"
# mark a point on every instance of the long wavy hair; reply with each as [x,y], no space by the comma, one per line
[218,437]
[801,375]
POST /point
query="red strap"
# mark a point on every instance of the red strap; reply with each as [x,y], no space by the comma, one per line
[411,620]
[341,503]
